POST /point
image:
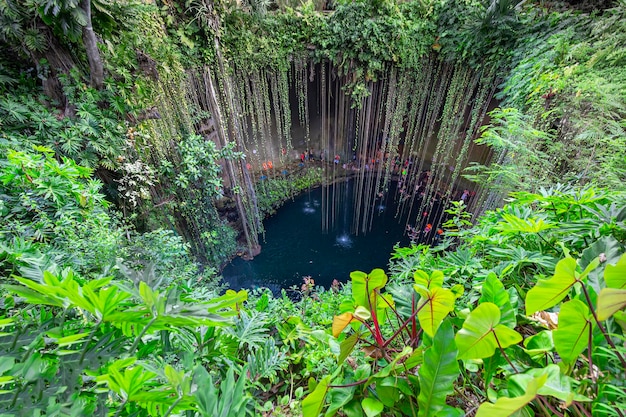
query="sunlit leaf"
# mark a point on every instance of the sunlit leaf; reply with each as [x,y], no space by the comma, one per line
[482,333]
[340,322]
[610,300]
[548,293]
[434,280]
[313,403]
[514,224]
[615,275]
[438,372]
[363,285]
[572,335]
[434,306]
[505,407]
[362,313]
[493,291]
[372,406]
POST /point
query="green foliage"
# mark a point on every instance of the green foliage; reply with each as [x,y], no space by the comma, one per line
[117,327]
[229,400]
[474,30]
[131,328]
[482,333]
[438,372]
[569,78]
[511,135]
[273,192]
[93,135]
[517,368]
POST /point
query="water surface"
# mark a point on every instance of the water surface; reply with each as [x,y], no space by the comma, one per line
[296,246]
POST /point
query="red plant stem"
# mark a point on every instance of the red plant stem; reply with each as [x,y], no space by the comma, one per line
[593,379]
[602,329]
[543,407]
[390,306]
[377,334]
[504,354]
[366,325]
[392,309]
[581,407]
[406,322]
[547,404]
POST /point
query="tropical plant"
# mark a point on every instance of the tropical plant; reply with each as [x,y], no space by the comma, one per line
[100,331]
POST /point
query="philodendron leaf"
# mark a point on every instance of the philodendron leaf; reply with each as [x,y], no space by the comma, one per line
[610,301]
[557,385]
[363,285]
[340,322]
[615,275]
[548,293]
[372,406]
[346,347]
[610,249]
[482,333]
[338,398]
[438,372]
[493,291]
[505,407]
[434,306]
[313,403]
[572,335]
[434,280]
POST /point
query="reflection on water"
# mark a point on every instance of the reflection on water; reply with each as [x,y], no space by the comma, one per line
[344,241]
[308,207]
[295,245]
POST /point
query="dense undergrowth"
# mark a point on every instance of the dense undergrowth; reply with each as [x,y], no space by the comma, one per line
[105,311]
[523,310]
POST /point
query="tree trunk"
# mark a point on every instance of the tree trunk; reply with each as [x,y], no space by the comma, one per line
[91,46]
[59,61]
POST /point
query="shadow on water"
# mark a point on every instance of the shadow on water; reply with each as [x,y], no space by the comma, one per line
[296,246]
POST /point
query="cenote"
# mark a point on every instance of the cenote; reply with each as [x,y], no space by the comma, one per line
[296,245]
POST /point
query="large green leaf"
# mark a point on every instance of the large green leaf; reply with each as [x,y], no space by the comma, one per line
[313,403]
[372,406]
[572,335]
[610,249]
[482,333]
[363,285]
[338,398]
[513,224]
[615,275]
[438,372]
[435,305]
[346,347]
[557,385]
[504,406]
[434,280]
[387,390]
[493,291]
[610,301]
[548,293]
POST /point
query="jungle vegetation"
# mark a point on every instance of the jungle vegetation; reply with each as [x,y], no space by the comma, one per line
[124,131]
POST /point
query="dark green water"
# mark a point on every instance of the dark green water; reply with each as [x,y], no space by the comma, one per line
[295,245]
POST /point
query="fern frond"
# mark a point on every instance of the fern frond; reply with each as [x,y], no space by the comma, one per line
[266,362]
[250,330]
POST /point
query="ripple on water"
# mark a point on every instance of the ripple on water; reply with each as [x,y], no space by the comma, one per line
[344,241]
[308,208]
